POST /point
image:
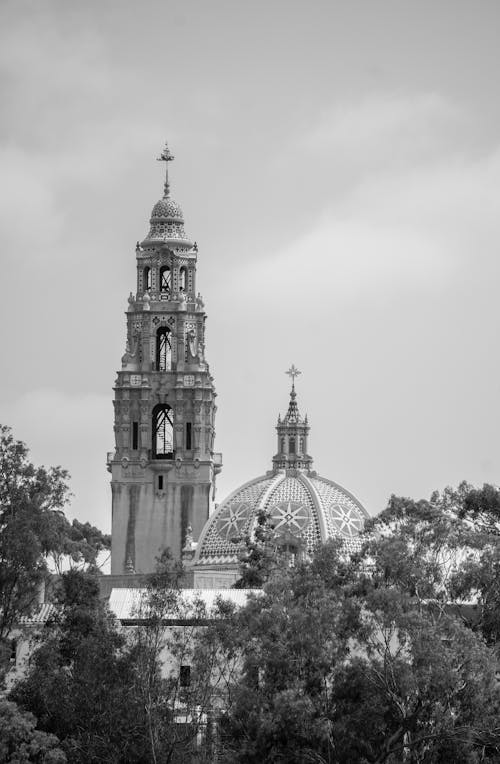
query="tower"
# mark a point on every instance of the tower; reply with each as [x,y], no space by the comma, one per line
[163,469]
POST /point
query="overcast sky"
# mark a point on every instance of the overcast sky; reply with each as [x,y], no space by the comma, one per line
[338,164]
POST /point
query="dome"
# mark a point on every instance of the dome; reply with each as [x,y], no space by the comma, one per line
[304,509]
[167,223]
[166,209]
[300,504]
[167,220]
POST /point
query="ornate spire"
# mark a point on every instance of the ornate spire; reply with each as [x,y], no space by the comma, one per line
[292,415]
[292,434]
[167,220]
[292,373]
[166,156]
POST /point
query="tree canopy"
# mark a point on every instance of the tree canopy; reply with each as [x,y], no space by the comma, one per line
[387,655]
[34,531]
[374,658]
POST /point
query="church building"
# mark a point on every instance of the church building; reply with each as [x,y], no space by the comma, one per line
[164,465]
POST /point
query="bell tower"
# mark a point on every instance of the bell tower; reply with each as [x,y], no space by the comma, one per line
[164,466]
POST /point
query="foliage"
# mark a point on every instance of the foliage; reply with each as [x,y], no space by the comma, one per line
[348,659]
[258,558]
[364,659]
[30,502]
[79,545]
[34,532]
[21,742]
[176,711]
[81,683]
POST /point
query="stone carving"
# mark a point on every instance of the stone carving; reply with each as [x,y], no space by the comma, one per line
[201,352]
[131,357]
[191,349]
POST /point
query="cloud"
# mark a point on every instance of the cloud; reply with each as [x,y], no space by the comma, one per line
[419,205]
[382,129]
[74,431]
[29,214]
[344,260]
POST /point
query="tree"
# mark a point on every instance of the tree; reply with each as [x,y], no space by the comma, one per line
[362,659]
[78,546]
[31,499]
[290,640]
[258,558]
[82,679]
[21,742]
[175,667]
[34,533]
[446,548]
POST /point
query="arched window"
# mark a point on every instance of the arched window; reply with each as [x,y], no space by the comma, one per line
[163,349]
[183,278]
[163,432]
[146,278]
[301,445]
[291,446]
[165,279]
[282,445]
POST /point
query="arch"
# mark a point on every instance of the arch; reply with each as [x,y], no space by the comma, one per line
[282,445]
[163,349]
[146,278]
[163,432]
[165,279]
[291,445]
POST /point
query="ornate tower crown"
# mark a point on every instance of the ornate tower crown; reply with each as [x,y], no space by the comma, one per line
[293,431]
[167,220]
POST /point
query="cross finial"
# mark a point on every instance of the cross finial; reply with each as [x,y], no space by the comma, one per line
[292,373]
[166,156]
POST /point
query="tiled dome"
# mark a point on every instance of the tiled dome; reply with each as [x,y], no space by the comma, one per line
[167,224]
[299,503]
[304,509]
[167,220]
[166,209]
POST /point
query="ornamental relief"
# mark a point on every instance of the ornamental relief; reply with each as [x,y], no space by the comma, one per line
[290,515]
[345,520]
[232,520]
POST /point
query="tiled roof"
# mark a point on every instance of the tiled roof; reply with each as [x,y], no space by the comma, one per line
[40,615]
[300,502]
[131,604]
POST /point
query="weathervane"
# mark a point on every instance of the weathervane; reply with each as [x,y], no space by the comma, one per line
[292,373]
[166,156]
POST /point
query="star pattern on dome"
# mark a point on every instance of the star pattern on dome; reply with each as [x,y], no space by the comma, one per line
[346,520]
[292,514]
[232,520]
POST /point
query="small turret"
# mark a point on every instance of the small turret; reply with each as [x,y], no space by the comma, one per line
[292,434]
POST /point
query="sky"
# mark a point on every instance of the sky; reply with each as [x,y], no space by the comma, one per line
[338,163]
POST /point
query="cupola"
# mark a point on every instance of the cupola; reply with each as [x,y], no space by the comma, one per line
[167,221]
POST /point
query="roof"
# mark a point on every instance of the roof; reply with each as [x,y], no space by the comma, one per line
[299,503]
[183,604]
[40,616]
